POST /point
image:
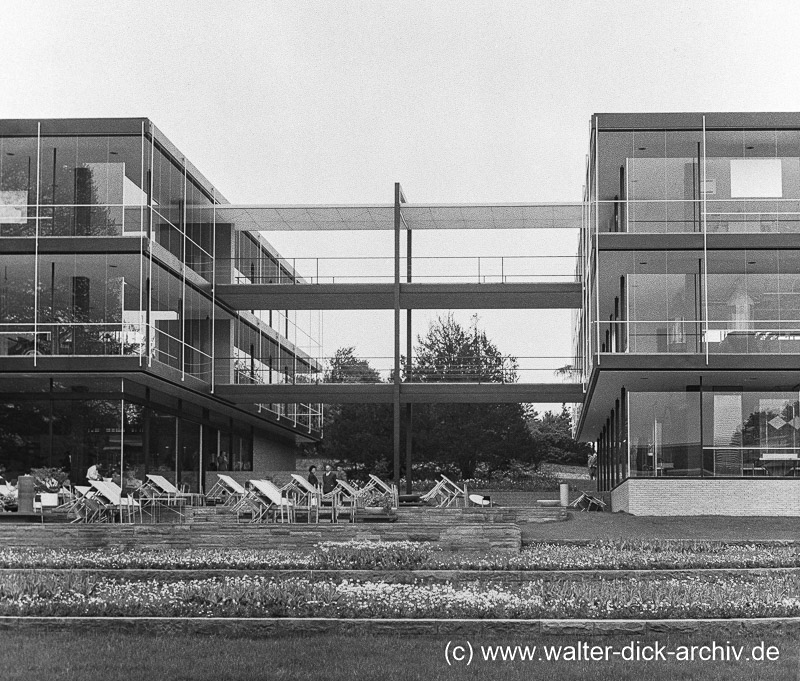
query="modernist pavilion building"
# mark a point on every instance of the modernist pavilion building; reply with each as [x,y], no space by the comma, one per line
[132,321]
[111,339]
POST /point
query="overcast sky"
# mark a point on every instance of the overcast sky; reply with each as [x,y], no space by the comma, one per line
[332,102]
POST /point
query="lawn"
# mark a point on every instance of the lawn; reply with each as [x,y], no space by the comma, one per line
[100,656]
[614,526]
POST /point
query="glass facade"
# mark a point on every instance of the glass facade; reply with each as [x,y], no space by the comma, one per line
[722,432]
[686,250]
[149,297]
[75,424]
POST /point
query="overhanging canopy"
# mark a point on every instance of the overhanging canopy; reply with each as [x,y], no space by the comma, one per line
[257,218]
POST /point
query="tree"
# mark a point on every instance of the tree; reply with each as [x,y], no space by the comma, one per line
[358,433]
[552,435]
[467,434]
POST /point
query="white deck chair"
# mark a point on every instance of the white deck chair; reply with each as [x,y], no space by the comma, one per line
[89,506]
[278,502]
[226,486]
[455,492]
[127,507]
[351,498]
[308,498]
[252,504]
[162,486]
[376,490]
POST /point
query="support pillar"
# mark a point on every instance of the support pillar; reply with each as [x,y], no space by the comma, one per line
[398,193]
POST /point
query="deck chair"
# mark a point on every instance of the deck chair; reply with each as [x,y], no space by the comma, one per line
[445,493]
[309,499]
[277,501]
[588,502]
[350,499]
[377,491]
[89,506]
[127,507]
[161,486]
[252,504]
[227,488]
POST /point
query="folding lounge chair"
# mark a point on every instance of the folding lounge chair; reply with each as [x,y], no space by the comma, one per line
[588,502]
[376,490]
[228,488]
[89,506]
[163,487]
[277,501]
[252,504]
[350,499]
[309,499]
[446,493]
[455,492]
[126,506]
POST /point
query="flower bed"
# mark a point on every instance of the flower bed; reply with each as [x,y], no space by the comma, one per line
[69,594]
[406,555]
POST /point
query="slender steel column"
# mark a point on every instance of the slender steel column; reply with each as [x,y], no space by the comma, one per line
[409,424]
[396,398]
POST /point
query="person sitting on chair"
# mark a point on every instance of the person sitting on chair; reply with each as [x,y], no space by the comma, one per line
[95,473]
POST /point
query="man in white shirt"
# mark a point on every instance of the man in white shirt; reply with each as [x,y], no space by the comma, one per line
[95,472]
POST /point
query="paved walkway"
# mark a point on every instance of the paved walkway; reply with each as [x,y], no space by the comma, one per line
[600,526]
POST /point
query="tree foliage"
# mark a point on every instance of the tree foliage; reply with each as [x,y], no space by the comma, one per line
[461,435]
[553,436]
[358,433]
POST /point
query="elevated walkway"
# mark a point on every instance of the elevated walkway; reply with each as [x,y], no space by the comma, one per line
[410,393]
[490,296]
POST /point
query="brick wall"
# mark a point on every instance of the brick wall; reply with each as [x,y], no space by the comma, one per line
[708,497]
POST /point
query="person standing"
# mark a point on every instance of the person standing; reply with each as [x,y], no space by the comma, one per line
[312,476]
[328,480]
[592,466]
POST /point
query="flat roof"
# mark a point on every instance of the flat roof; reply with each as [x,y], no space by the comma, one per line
[694,120]
[414,216]
[28,127]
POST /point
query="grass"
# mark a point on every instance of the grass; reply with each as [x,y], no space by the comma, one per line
[616,526]
[109,656]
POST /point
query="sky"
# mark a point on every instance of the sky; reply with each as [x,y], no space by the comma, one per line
[307,102]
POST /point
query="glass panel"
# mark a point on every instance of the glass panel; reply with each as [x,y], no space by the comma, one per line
[752,434]
[665,434]
[17,186]
[85,184]
[189,456]
[753,178]
[754,301]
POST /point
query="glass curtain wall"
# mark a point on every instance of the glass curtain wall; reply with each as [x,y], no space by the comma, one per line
[679,181]
[719,433]
[88,185]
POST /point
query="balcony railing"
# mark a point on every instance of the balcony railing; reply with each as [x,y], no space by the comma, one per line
[685,336]
[541,369]
[445,269]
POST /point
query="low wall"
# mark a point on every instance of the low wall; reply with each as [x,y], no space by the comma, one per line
[477,514]
[462,537]
[711,496]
